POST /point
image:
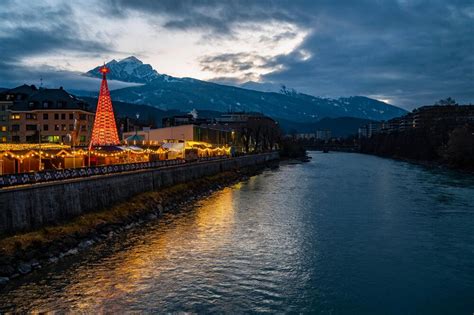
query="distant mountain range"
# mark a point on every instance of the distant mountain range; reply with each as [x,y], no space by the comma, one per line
[340,127]
[167,92]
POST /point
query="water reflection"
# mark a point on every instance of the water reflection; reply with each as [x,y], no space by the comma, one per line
[346,233]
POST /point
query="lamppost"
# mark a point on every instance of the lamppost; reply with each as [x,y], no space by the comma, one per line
[69,137]
[74,142]
[39,145]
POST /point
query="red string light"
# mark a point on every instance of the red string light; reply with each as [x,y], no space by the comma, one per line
[104,132]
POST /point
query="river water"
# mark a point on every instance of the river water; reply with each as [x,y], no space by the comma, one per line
[343,234]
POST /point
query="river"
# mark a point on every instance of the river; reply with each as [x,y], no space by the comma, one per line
[343,234]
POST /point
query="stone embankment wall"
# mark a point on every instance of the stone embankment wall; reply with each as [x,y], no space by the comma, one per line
[34,206]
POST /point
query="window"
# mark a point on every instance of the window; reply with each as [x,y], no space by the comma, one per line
[63,127]
[61,104]
[15,127]
[56,116]
[45,116]
[82,139]
[31,116]
[32,138]
[82,116]
[83,128]
[71,116]
[56,127]
[4,128]
[15,116]
[45,104]
[31,127]
[45,127]
[4,139]
[16,139]
[53,139]
[63,116]
[3,118]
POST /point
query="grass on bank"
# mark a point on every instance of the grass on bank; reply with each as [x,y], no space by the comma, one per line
[87,223]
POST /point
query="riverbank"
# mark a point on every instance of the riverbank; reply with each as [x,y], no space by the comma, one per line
[430,164]
[22,253]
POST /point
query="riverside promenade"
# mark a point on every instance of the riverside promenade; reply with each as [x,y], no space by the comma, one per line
[29,207]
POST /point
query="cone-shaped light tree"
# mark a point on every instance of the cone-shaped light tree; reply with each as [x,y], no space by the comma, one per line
[104,132]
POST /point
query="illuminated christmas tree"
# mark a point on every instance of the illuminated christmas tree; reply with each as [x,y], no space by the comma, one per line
[104,132]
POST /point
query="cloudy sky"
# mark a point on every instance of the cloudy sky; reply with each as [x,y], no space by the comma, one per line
[406,52]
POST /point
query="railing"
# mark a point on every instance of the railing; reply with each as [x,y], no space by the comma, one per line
[55,175]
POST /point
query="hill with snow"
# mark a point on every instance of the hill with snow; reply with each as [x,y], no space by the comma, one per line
[167,92]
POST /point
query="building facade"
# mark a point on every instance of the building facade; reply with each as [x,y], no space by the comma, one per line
[214,136]
[32,115]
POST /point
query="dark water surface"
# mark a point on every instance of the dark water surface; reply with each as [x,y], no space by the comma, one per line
[343,234]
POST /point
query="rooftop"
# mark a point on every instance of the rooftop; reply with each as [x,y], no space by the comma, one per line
[29,97]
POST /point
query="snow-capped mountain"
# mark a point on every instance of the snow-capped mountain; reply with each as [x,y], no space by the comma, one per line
[166,92]
[130,69]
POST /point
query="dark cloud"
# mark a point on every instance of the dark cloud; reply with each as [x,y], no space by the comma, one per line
[38,31]
[214,15]
[245,64]
[412,52]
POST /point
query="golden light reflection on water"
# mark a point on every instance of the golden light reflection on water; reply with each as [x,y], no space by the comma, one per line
[297,240]
[203,228]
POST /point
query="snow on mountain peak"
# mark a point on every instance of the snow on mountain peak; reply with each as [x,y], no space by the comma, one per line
[131,59]
[130,69]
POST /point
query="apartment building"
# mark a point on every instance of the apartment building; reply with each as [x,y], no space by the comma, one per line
[29,115]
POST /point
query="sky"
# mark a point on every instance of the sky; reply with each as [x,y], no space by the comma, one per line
[405,52]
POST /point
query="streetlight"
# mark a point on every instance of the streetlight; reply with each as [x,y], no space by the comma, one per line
[69,138]
[74,141]
[39,144]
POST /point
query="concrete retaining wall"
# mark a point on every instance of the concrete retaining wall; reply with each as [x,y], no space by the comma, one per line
[31,207]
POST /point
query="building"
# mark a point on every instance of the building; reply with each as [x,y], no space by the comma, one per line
[368,130]
[31,115]
[451,116]
[447,116]
[249,132]
[305,136]
[180,120]
[323,134]
[212,135]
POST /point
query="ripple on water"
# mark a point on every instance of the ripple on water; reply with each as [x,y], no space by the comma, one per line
[345,233]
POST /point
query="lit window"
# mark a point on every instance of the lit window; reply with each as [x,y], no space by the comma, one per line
[54,139]
[4,128]
[15,116]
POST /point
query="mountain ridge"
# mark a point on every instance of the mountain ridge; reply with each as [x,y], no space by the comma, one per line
[167,92]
